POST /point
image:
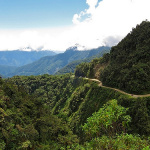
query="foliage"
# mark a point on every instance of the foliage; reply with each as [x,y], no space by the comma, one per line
[109,120]
[140,116]
[27,123]
[46,112]
[49,89]
[75,99]
[92,69]
[58,112]
[104,127]
[129,66]
[82,69]
[72,66]
[123,142]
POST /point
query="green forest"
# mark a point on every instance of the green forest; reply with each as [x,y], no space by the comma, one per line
[72,112]
[127,66]
[65,112]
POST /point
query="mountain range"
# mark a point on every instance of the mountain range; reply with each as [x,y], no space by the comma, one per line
[72,65]
[52,64]
[105,105]
[19,58]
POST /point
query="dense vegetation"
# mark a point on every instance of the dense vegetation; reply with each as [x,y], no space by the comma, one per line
[70,68]
[67,112]
[128,65]
[74,103]
[26,122]
[94,68]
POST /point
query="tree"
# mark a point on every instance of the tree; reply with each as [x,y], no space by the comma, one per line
[109,120]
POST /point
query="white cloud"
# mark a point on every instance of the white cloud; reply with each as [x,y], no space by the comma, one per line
[76,18]
[105,22]
[92,4]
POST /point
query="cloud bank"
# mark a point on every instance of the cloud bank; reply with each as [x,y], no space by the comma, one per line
[105,22]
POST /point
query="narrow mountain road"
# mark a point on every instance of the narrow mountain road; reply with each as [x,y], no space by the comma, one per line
[133,95]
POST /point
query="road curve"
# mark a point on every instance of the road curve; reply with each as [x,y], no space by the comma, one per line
[133,95]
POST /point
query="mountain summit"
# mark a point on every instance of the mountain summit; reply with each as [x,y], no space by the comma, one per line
[129,67]
[51,64]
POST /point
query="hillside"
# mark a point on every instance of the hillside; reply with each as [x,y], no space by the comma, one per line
[71,66]
[19,58]
[127,67]
[73,112]
[26,122]
[4,70]
[51,64]
[73,102]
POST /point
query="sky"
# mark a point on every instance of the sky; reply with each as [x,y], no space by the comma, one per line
[59,24]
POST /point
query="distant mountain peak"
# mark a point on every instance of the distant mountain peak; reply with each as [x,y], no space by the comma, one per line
[76,47]
[73,48]
[26,49]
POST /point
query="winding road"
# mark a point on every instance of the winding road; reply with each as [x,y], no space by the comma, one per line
[133,95]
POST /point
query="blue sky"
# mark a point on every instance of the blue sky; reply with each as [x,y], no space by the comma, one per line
[59,24]
[38,13]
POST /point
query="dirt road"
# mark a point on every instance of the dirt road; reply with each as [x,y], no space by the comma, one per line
[133,95]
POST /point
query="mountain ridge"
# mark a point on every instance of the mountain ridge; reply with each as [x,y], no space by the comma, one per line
[127,67]
[51,64]
[71,112]
[72,65]
[19,58]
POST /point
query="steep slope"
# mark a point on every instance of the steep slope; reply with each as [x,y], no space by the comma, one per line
[20,58]
[26,122]
[129,67]
[71,66]
[4,70]
[92,69]
[51,64]
[75,99]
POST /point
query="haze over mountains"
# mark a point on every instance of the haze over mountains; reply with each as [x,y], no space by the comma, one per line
[33,62]
[80,112]
[19,58]
[93,93]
